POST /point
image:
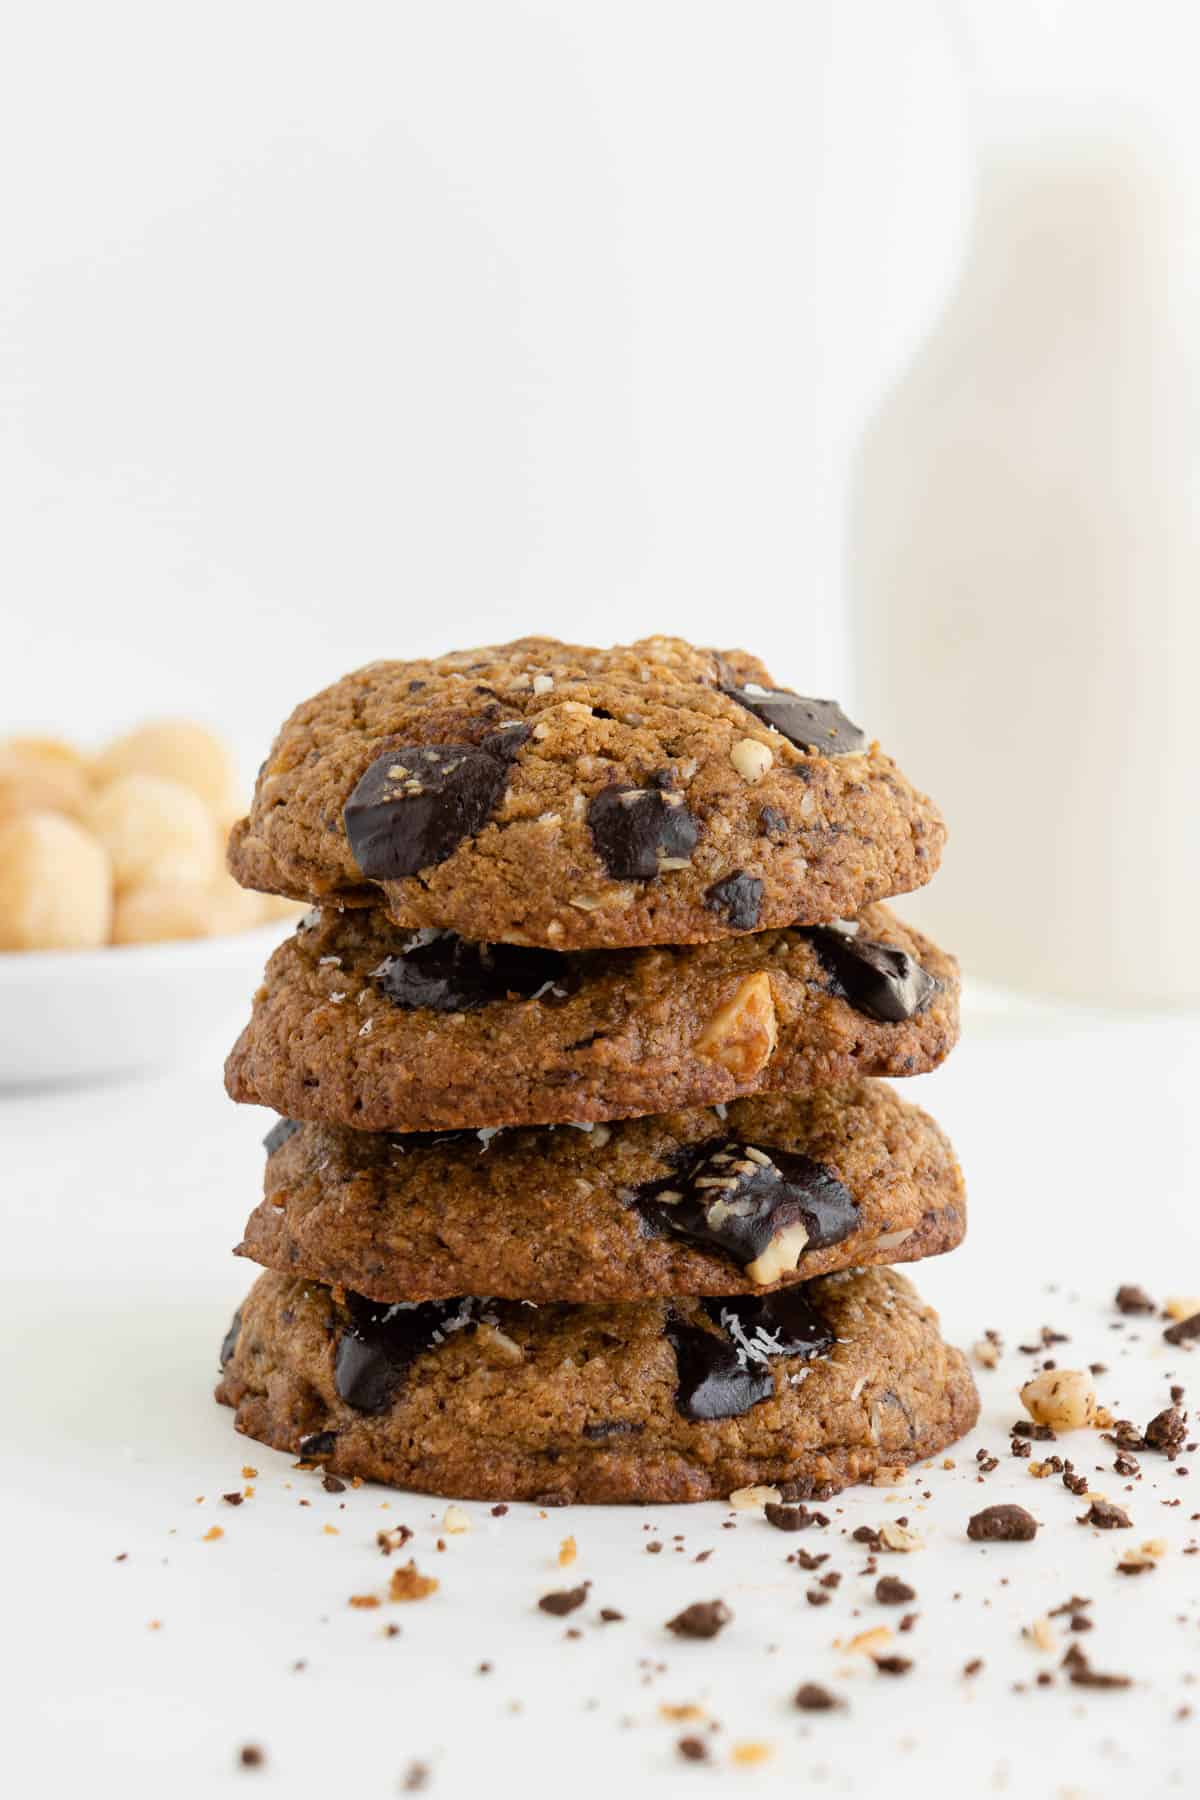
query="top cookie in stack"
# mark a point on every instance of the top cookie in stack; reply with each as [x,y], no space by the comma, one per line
[543,793]
[563,886]
[550,806]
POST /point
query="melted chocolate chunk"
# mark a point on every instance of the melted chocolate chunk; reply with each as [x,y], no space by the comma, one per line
[877,979]
[818,725]
[279,1134]
[739,897]
[735,1197]
[379,1342]
[446,973]
[633,827]
[229,1341]
[724,1374]
[416,803]
[713,1382]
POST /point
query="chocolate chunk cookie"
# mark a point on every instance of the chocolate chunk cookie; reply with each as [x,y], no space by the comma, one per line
[766,1192]
[359,1024]
[813,1387]
[542,793]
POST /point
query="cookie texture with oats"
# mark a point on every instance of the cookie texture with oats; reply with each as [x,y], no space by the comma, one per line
[808,1390]
[361,1025]
[763,1193]
[550,794]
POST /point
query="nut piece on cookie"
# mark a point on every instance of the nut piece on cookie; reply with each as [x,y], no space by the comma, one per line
[55,891]
[741,1035]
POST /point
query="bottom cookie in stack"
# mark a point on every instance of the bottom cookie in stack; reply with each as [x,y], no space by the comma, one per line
[684,1305]
[806,1389]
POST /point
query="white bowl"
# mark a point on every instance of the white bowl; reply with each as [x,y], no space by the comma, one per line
[86,1015]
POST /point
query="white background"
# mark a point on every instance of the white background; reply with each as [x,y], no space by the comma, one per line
[332,334]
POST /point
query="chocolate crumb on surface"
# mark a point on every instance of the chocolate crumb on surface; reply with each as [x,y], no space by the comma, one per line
[1133,1299]
[1167,1431]
[1002,1525]
[1185,1331]
[564,1601]
[892,1665]
[1082,1674]
[810,1696]
[251,1756]
[791,1518]
[1107,1516]
[692,1749]
[702,1619]
[891,1591]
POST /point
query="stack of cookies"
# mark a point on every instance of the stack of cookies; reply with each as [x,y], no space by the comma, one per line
[584,1185]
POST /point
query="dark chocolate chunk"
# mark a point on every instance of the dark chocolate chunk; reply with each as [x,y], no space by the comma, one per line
[713,1381]
[633,827]
[819,725]
[442,972]
[692,1749]
[810,1696]
[785,1323]
[1002,1525]
[739,1198]
[893,1665]
[772,823]
[702,1619]
[416,803]
[1107,1516]
[566,1600]
[724,1374]
[606,1428]
[316,1445]
[739,897]
[877,979]
[378,1343]
[280,1132]
[1185,1331]
[891,1591]
[229,1341]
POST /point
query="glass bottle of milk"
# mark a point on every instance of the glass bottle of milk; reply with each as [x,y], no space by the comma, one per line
[1025,532]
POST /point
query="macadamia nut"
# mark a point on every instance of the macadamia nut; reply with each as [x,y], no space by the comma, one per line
[741,1035]
[180,751]
[1064,1399]
[55,885]
[34,777]
[161,910]
[155,830]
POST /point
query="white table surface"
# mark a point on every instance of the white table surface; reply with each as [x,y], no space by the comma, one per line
[143,1676]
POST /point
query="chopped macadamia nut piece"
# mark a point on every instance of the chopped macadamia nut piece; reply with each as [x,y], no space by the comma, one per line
[1064,1399]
